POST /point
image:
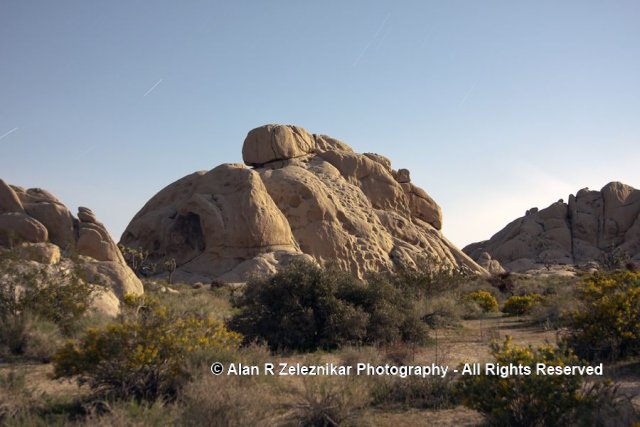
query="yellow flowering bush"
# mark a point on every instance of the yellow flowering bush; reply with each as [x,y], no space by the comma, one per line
[531,400]
[484,299]
[607,326]
[519,305]
[145,354]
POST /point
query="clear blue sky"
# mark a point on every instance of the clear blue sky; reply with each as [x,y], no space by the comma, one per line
[494,106]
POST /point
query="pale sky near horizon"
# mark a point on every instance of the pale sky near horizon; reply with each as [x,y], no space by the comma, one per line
[494,106]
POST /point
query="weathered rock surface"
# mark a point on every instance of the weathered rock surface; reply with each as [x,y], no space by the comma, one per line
[44,230]
[275,142]
[593,225]
[306,196]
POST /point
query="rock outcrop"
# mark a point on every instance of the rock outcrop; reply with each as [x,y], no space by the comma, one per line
[302,195]
[42,229]
[591,227]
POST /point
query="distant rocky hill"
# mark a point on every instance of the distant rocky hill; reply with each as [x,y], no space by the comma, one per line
[302,195]
[592,227]
[41,228]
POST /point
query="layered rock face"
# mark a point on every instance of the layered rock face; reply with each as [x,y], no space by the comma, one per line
[304,195]
[591,226]
[45,229]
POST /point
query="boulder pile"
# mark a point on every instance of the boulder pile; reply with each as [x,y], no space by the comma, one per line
[592,227]
[45,232]
[296,195]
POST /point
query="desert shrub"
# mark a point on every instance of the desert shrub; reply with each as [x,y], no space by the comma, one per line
[414,392]
[144,355]
[227,401]
[28,337]
[328,401]
[394,313]
[60,296]
[504,282]
[518,305]
[534,400]
[607,325]
[484,299]
[305,307]
[553,312]
[444,310]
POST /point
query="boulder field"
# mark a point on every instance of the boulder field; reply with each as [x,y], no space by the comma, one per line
[591,227]
[297,195]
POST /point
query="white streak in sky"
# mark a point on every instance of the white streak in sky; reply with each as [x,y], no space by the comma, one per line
[384,22]
[466,95]
[152,88]
[8,133]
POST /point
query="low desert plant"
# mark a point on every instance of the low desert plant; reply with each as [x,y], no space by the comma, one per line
[519,305]
[144,355]
[484,299]
[535,400]
[328,401]
[227,401]
[607,324]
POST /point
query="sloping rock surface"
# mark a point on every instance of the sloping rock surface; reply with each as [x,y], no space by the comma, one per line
[304,196]
[591,227]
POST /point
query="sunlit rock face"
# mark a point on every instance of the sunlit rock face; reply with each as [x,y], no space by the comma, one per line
[297,195]
[592,226]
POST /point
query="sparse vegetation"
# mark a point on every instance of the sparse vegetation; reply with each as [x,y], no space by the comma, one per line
[150,366]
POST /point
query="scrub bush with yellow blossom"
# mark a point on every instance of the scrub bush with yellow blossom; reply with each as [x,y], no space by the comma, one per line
[484,300]
[519,305]
[145,355]
[537,400]
[607,325]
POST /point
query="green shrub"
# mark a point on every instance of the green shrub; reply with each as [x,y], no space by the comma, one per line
[484,299]
[519,305]
[60,296]
[143,356]
[305,307]
[534,400]
[607,325]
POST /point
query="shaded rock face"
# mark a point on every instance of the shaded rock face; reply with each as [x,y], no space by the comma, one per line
[44,228]
[305,196]
[587,228]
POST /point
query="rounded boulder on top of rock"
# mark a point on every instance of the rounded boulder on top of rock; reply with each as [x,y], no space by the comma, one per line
[86,215]
[18,226]
[9,201]
[276,142]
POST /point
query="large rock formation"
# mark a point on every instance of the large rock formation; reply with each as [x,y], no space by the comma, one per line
[304,196]
[37,224]
[593,226]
